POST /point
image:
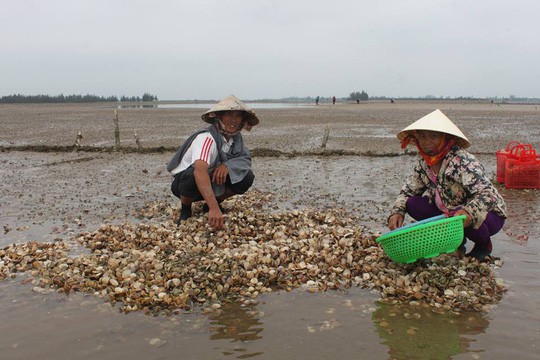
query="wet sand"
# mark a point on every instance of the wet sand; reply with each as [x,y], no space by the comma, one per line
[53,196]
[363,128]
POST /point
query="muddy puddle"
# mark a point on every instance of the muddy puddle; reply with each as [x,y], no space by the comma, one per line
[56,196]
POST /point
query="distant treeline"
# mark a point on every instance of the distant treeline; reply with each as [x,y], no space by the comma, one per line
[21,99]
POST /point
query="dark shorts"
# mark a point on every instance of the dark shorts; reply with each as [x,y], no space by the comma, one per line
[184,184]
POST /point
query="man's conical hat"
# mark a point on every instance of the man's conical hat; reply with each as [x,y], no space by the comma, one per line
[436,121]
[231,103]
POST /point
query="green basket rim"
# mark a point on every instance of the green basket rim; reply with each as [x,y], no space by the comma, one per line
[419,227]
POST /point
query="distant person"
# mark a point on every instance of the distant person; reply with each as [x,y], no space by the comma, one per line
[317,100]
[448,179]
[213,164]
[333,100]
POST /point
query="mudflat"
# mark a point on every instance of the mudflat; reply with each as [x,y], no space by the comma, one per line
[369,127]
[52,196]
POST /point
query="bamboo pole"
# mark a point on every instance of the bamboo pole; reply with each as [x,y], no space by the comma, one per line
[325,137]
[116,131]
[78,140]
[137,141]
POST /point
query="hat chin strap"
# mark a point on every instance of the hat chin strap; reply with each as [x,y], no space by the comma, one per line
[221,128]
[443,149]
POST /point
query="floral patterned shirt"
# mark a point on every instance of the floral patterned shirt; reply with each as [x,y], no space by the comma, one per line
[461,181]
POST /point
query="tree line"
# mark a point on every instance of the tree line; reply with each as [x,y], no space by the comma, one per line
[88,98]
[359,96]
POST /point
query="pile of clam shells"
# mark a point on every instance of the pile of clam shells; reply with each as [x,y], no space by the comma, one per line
[159,266]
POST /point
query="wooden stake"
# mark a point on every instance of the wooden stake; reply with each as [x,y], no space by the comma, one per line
[116,131]
[325,137]
[137,140]
[78,139]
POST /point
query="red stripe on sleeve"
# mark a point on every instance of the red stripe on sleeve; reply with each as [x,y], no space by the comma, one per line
[203,149]
[206,149]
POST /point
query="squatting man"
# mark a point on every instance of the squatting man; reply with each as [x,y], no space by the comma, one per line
[213,164]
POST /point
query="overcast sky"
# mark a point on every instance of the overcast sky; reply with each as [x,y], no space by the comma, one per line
[208,49]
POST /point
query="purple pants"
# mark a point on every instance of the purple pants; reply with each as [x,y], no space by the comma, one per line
[419,208]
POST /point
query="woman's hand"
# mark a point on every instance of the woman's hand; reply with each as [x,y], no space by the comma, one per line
[468,220]
[395,221]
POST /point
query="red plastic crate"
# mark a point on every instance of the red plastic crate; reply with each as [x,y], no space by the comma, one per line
[501,159]
[523,172]
[501,163]
[513,150]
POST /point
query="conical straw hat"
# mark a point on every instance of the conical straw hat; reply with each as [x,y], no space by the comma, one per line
[231,103]
[436,121]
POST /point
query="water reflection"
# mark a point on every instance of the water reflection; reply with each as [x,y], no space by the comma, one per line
[237,323]
[419,333]
[523,215]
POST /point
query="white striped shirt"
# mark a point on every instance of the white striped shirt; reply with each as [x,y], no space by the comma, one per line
[202,148]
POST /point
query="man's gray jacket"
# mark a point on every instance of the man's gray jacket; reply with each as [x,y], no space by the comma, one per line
[237,159]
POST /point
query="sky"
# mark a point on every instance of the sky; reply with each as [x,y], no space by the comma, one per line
[254,49]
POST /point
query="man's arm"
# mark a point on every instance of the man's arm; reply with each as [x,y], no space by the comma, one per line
[202,179]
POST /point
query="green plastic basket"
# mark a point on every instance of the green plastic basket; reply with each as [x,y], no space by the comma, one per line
[423,241]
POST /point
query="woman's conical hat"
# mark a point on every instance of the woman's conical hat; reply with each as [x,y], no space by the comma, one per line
[436,121]
[231,103]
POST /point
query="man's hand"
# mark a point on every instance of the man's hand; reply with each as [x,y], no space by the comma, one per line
[468,220]
[219,176]
[395,221]
[215,218]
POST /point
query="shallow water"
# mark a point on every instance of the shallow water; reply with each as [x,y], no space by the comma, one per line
[252,105]
[74,196]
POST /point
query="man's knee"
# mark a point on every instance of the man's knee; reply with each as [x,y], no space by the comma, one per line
[244,185]
[184,185]
[175,186]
